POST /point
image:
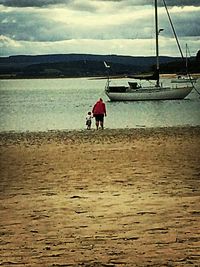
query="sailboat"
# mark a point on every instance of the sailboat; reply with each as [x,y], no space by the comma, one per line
[135,92]
[185,78]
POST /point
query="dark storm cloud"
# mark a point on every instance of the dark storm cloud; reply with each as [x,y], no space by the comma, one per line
[44,26]
[182,2]
[43,3]
[186,24]
[160,2]
[32,3]
[150,2]
[82,5]
[33,27]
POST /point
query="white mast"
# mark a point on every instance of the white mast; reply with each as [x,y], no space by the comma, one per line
[186,58]
[157,48]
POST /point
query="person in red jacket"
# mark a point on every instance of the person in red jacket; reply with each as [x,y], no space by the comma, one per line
[99,111]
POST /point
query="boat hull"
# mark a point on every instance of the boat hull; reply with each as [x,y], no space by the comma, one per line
[145,94]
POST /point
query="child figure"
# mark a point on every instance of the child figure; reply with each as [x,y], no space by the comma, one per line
[89,120]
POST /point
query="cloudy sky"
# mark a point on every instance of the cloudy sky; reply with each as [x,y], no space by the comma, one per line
[123,27]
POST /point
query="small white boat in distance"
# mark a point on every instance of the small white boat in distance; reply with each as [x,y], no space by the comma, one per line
[184,79]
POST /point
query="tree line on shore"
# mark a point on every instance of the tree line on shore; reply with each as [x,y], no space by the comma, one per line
[74,65]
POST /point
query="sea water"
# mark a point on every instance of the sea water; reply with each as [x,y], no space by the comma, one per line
[62,104]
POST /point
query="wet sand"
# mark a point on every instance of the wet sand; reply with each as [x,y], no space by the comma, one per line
[100,198]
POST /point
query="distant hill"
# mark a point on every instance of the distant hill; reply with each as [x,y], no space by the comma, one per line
[78,65]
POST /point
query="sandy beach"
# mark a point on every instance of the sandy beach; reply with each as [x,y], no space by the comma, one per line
[100,198]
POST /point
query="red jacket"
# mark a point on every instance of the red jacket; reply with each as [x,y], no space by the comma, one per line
[99,108]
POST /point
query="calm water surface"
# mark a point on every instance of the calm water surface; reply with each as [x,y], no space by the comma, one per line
[62,104]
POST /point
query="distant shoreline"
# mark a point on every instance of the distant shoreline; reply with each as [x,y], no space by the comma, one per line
[163,75]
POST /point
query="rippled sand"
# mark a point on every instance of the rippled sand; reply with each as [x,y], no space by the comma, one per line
[100,198]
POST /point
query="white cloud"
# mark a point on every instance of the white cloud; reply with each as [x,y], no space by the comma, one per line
[136,47]
[91,26]
[8,42]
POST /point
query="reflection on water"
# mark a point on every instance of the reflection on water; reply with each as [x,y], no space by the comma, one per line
[51,104]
